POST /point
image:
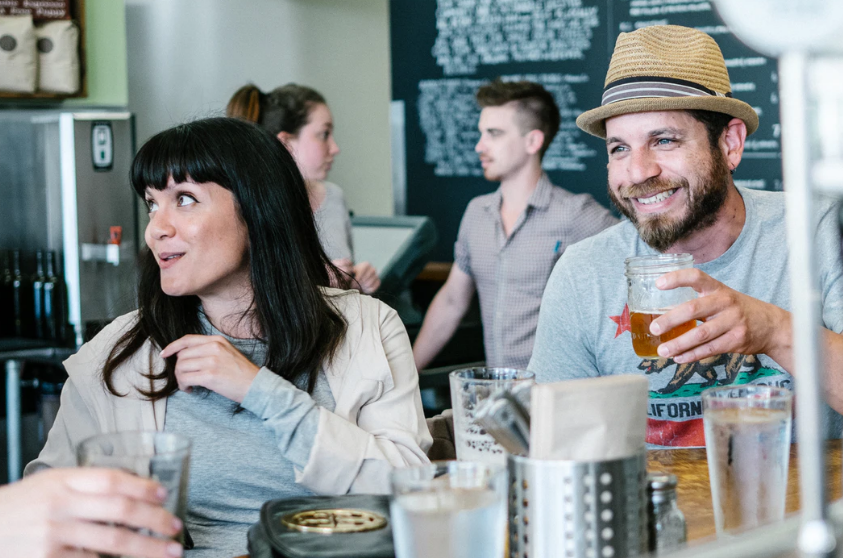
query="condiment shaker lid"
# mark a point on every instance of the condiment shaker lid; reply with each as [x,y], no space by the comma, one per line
[661,481]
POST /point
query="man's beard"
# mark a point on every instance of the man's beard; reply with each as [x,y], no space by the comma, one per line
[660,231]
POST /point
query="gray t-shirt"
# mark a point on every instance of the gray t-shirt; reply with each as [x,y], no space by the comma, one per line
[583,326]
[334,224]
[239,461]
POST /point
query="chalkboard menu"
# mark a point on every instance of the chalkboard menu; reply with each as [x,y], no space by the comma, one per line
[443,50]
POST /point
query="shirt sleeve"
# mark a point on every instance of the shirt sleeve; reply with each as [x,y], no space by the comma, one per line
[462,254]
[333,224]
[336,455]
[289,412]
[74,422]
[562,350]
[828,251]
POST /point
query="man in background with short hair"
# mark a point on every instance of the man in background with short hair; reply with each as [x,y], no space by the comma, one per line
[509,240]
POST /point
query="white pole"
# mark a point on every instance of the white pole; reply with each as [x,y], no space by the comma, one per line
[816,538]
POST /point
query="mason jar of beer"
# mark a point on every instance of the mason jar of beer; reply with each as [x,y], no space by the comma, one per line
[647,302]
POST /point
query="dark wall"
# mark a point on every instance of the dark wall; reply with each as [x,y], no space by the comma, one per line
[442,50]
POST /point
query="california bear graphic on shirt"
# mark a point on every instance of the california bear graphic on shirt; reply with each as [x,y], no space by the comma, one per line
[674,412]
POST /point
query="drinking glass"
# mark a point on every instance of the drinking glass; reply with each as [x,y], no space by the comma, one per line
[453,509]
[161,456]
[647,302]
[469,388]
[747,442]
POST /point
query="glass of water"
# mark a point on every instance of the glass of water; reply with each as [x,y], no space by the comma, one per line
[454,509]
[160,456]
[747,442]
[469,388]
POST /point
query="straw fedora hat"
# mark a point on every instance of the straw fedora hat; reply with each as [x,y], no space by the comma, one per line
[666,67]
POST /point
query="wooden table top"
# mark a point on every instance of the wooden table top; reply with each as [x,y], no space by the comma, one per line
[693,492]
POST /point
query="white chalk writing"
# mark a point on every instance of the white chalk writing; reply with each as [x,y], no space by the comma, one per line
[489,32]
[448,116]
[645,8]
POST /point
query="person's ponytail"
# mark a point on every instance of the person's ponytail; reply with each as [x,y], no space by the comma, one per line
[246,104]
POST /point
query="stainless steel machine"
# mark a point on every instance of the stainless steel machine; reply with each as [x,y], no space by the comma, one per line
[64,187]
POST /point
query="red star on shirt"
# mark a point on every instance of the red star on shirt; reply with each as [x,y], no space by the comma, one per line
[622,321]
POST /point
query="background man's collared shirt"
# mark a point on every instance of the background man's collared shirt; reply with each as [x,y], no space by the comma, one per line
[510,273]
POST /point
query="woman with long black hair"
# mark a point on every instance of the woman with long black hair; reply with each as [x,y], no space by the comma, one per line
[286,386]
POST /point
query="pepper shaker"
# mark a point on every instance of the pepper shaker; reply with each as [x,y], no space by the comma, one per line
[666,521]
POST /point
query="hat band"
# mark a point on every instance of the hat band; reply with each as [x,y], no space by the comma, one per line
[648,86]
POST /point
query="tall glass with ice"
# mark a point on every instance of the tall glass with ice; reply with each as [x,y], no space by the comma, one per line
[469,388]
[747,442]
[454,509]
[647,302]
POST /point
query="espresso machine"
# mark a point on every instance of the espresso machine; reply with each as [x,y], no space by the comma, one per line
[64,191]
[64,186]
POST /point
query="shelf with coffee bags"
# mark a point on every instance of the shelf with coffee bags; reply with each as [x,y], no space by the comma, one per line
[42,50]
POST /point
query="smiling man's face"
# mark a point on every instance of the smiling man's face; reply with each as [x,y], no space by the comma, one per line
[664,174]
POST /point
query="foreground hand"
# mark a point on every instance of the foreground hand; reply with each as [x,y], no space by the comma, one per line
[367,277]
[734,322]
[211,362]
[58,512]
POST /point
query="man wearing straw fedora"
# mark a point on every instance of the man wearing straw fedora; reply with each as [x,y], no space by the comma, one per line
[674,135]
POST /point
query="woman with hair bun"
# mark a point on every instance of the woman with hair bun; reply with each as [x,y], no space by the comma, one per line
[300,118]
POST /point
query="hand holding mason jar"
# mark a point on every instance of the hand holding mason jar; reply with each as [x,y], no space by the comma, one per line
[647,302]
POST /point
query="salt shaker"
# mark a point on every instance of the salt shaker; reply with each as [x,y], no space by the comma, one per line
[667,524]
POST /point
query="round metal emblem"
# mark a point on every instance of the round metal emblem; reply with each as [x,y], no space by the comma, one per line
[8,43]
[332,521]
[45,45]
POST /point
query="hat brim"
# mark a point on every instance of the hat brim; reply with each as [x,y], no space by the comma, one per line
[594,121]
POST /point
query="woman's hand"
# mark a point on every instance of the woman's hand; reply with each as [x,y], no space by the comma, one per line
[58,512]
[367,277]
[211,362]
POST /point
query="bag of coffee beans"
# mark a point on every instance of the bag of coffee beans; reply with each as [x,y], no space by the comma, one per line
[18,56]
[58,57]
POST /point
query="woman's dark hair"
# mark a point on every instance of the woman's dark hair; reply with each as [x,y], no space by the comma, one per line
[284,109]
[287,264]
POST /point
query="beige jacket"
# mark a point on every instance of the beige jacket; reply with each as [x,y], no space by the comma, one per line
[377,423]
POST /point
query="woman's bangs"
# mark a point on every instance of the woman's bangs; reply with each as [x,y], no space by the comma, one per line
[180,153]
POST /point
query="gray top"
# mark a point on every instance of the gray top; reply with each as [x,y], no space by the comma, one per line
[510,273]
[334,224]
[584,322]
[240,460]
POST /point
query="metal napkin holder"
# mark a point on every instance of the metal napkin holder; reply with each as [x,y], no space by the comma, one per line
[569,509]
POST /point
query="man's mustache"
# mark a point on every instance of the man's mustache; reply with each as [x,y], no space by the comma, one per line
[650,187]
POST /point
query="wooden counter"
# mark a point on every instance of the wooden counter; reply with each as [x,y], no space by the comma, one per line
[694,493]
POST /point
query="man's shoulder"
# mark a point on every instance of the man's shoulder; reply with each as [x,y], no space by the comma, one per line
[768,204]
[477,208]
[560,193]
[482,201]
[575,203]
[619,238]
